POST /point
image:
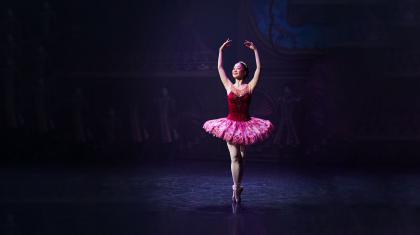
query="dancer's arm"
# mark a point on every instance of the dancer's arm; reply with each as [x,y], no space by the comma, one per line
[256,77]
[225,80]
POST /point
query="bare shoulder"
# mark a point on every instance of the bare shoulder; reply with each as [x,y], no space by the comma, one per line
[229,88]
[250,87]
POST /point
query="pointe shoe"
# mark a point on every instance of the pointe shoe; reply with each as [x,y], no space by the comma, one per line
[236,195]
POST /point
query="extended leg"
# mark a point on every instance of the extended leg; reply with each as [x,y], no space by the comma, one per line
[236,163]
[236,168]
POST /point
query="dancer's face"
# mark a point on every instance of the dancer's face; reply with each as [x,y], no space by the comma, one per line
[238,71]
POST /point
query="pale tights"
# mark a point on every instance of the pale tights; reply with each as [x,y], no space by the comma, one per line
[237,154]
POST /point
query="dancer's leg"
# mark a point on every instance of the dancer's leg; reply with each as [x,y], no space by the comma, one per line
[242,150]
[236,162]
[241,171]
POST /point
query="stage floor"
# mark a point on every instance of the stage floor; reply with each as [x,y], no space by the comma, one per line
[194,198]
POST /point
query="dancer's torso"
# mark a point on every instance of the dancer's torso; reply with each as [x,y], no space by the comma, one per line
[238,103]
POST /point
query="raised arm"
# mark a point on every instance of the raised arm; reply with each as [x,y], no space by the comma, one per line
[225,80]
[253,83]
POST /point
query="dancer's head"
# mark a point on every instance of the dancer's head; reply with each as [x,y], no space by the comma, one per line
[240,70]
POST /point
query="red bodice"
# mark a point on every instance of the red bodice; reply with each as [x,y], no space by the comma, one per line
[238,104]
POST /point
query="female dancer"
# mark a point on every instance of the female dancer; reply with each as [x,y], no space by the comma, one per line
[239,129]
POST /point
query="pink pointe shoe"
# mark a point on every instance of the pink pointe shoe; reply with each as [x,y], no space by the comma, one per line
[236,195]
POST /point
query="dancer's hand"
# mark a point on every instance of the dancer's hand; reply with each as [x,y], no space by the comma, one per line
[250,45]
[225,44]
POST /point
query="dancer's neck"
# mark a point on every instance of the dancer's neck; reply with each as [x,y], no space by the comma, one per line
[238,83]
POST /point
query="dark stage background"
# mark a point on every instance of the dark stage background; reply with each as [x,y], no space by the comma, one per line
[102,105]
[103,81]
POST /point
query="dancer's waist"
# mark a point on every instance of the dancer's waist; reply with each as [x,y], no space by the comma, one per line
[239,116]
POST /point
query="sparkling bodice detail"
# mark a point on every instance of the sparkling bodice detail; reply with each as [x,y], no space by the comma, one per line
[238,103]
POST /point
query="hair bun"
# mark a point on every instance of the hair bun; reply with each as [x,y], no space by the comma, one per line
[246,66]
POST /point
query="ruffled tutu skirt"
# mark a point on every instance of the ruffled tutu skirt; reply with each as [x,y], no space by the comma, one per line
[240,132]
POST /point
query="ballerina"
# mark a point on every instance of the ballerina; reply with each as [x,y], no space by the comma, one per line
[239,129]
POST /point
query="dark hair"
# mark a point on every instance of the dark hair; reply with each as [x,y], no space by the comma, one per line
[246,68]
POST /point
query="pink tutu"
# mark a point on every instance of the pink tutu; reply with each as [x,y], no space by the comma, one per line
[239,127]
[240,132]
